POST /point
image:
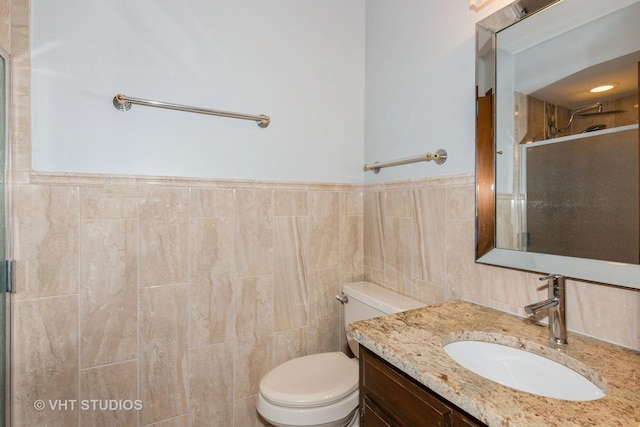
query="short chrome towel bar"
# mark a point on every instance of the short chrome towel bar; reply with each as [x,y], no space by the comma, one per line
[439,157]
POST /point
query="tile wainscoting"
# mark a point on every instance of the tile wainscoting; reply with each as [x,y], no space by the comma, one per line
[182,293]
[179,293]
[419,238]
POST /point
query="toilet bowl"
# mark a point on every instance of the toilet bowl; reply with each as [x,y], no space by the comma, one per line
[316,390]
[321,390]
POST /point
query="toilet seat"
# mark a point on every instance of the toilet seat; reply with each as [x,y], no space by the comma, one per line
[311,381]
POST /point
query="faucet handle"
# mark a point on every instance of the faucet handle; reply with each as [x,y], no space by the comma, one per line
[555,284]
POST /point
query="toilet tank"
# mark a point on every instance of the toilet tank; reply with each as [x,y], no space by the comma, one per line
[367,300]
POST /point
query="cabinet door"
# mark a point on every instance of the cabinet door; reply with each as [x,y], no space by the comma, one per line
[389,397]
[460,420]
[399,398]
[374,417]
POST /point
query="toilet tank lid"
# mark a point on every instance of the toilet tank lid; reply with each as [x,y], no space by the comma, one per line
[380,298]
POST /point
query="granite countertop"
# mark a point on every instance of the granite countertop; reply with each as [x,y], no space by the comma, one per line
[412,341]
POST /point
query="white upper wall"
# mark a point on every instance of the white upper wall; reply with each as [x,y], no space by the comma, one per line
[302,63]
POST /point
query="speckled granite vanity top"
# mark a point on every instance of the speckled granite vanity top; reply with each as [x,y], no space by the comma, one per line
[412,341]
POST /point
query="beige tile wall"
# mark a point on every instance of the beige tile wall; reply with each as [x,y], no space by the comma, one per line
[419,239]
[182,293]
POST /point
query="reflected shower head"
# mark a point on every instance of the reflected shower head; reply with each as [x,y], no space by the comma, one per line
[582,112]
[600,113]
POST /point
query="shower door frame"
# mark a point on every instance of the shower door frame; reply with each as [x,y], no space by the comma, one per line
[5,244]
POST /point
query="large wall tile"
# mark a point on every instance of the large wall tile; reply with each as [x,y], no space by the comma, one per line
[46,240]
[290,275]
[324,285]
[211,385]
[351,257]
[512,290]
[45,362]
[254,232]
[253,359]
[211,280]
[461,202]
[324,313]
[163,352]
[324,229]
[106,387]
[245,413]
[351,202]
[428,293]
[109,292]
[400,254]
[164,234]
[109,202]
[291,203]
[290,344]
[465,279]
[253,308]
[399,203]
[373,230]
[351,251]
[211,203]
[606,311]
[431,220]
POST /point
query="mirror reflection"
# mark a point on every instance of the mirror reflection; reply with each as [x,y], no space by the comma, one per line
[565,97]
[568,116]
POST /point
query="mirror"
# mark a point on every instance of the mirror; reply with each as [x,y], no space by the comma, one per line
[557,164]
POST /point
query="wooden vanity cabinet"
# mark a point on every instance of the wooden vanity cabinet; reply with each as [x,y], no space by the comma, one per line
[389,397]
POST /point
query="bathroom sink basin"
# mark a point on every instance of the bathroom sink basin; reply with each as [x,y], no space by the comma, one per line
[523,370]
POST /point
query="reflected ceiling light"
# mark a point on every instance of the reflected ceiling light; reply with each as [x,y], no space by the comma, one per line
[603,88]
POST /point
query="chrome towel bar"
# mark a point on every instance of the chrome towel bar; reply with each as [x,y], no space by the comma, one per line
[123,103]
[439,157]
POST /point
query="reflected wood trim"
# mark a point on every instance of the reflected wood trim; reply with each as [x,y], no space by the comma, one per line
[485,175]
[485,141]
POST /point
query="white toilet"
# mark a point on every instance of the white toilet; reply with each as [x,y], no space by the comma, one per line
[321,390]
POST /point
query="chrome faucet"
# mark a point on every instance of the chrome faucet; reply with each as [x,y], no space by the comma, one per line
[556,305]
